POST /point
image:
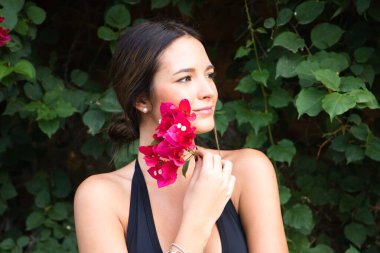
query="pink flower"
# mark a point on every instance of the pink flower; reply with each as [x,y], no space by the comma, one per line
[4,36]
[174,135]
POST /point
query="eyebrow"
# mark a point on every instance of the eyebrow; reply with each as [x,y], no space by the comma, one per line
[186,70]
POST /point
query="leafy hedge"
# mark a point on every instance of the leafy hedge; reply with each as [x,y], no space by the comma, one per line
[306,95]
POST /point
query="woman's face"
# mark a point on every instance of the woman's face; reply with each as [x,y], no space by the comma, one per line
[185,71]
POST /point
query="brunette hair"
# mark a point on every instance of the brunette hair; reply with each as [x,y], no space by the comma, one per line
[133,66]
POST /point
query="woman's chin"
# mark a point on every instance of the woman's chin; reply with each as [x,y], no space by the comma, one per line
[204,128]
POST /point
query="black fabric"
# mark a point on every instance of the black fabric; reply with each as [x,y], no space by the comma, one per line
[141,232]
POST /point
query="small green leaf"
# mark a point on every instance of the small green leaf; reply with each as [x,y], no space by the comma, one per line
[241,52]
[254,140]
[13,107]
[360,131]
[269,23]
[34,220]
[352,250]
[356,233]
[308,11]
[284,16]
[300,218]
[362,54]
[246,85]
[325,35]
[36,14]
[329,78]
[49,127]
[95,120]
[5,70]
[25,68]
[349,83]
[58,212]
[157,4]
[78,77]
[309,101]
[109,102]
[320,248]
[336,104]
[290,41]
[22,241]
[13,5]
[42,199]
[362,6]
[259,120]
[285,194]
[279,98]
[118,16]
[106,33]
[373,148]
[8,191]
[64,109]
[283,151]
[365,98]
[339,143]
[33,91]
[260,76]
[354,153]
[7,244]
[286,66]
[185,167]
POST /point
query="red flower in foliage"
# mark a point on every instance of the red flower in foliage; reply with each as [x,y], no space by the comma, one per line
[4,37]
[174,136]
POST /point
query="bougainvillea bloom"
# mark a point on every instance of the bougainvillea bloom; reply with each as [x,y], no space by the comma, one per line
[174,135]
[4,36]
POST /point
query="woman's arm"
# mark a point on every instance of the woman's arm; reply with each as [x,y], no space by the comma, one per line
[98,228]
[259,203]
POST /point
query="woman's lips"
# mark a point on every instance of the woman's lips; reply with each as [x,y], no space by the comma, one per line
[204,111]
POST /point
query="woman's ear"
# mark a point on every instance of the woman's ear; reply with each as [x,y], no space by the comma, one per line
[143,104]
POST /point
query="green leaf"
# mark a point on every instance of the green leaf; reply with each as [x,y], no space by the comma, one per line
[78,77]
[336,62]
[254,140]
[49,127]
[7,244]
[260,76]
[285,194]
[22,241]
[118,16]
[305,70]
[325,35]
[246,85]
[14,5]
[320,248]
[36,14]
[365,215]
[25,68]
[283,151]
[336,104]
[58,212]
[13,107]
[290,41]
[34,220]
[284,16]
[221,121]
[64,109]
[349,83]
[286,66]
[352,250]
[365,98]
[241,52]
[42,199]
[309,101]
[300,218]
[354,118]
[185,7]
[354,153]
[156,4]
[308,11]
[5,70]
[107,34]
[185,167]
[269,23]
[362,54]
[329,78]
[356,233]
[33,91]
[8,191]
[339,143]
[259,120]
[373,148]
[360,131]
[95,120]
[279,98]
[362,6]
[109,102]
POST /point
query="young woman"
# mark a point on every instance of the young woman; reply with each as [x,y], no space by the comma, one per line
[226,203]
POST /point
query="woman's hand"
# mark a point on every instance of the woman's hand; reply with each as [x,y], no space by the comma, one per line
[210,188]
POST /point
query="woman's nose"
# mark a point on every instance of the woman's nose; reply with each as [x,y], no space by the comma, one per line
[207,88]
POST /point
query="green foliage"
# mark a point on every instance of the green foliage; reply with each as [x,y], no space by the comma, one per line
[307,95]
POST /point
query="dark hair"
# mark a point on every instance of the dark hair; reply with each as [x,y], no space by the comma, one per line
[133,66]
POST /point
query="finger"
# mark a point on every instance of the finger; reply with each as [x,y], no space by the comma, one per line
[231,186]
[197,168]
[227,167]
[217,160]
[208,162]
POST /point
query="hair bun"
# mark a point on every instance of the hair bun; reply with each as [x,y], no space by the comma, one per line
[121,131]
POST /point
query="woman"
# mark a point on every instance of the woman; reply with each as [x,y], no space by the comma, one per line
[215,208]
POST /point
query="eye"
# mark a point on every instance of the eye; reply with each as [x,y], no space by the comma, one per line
[211,75]
[184,79]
